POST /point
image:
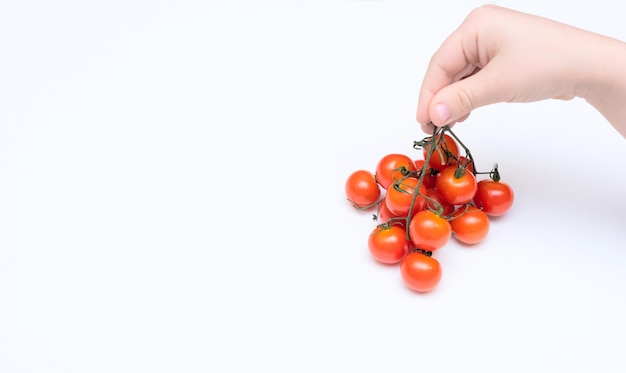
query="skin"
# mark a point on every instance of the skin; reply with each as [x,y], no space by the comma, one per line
[501,55]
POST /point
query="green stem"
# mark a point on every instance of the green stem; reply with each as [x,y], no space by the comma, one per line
[366,207]
[431,149]
[465,149]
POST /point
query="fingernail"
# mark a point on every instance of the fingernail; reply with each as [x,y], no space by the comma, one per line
[443,113]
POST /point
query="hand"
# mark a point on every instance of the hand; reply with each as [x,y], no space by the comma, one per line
[501,55]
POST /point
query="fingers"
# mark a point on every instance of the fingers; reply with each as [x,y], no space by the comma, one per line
[455,101]
[457,58]
[452,86]
[501,55]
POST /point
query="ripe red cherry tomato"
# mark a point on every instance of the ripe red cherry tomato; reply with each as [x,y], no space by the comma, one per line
[456,185]
[362,190]
[495,198]
[388,244]
[420,272]
[400,195]
[429,231]
[447,147]
[393,167]
[469,224]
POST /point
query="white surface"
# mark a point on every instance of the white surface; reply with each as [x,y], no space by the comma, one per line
[171,196]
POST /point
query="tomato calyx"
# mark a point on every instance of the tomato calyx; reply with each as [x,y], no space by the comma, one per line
[459,172]
[398,186]
[404,171]
[422,251]
[495,174]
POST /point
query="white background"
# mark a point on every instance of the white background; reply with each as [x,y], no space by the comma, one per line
[171,196]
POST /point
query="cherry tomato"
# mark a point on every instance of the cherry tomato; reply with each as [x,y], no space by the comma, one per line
[362,190]
[430,178]
[456,185]
[384,214]
[400,195]
[388,244]
[448,148]
[469,224]
[446,207]
[495,198]
[393,167]
[420,272]
[429,231]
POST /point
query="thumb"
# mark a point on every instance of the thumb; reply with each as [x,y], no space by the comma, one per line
[457,100]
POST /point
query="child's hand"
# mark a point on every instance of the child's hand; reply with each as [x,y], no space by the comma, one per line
[500,55]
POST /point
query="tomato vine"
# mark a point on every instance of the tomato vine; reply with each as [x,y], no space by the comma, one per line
[457,201]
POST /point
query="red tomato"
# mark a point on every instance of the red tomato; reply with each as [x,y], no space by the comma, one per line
[469,224]
[393,167]
[456,185]
[384,214]
[420,272]
[388,244]
[400,195]
[430,177]
[429,231]
[495,198]
[419,164]
[362,190]
[447,148]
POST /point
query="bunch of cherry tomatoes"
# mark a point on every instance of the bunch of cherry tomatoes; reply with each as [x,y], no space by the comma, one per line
[422,204]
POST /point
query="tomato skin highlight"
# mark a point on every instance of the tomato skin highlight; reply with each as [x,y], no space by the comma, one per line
[429,231]
[456,190]
[362,190]
[400,195]
[389,169]
[388,245]
[420,272]
[495,198]
[470,225]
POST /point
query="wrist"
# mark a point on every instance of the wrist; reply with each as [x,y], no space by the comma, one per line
[604,80]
